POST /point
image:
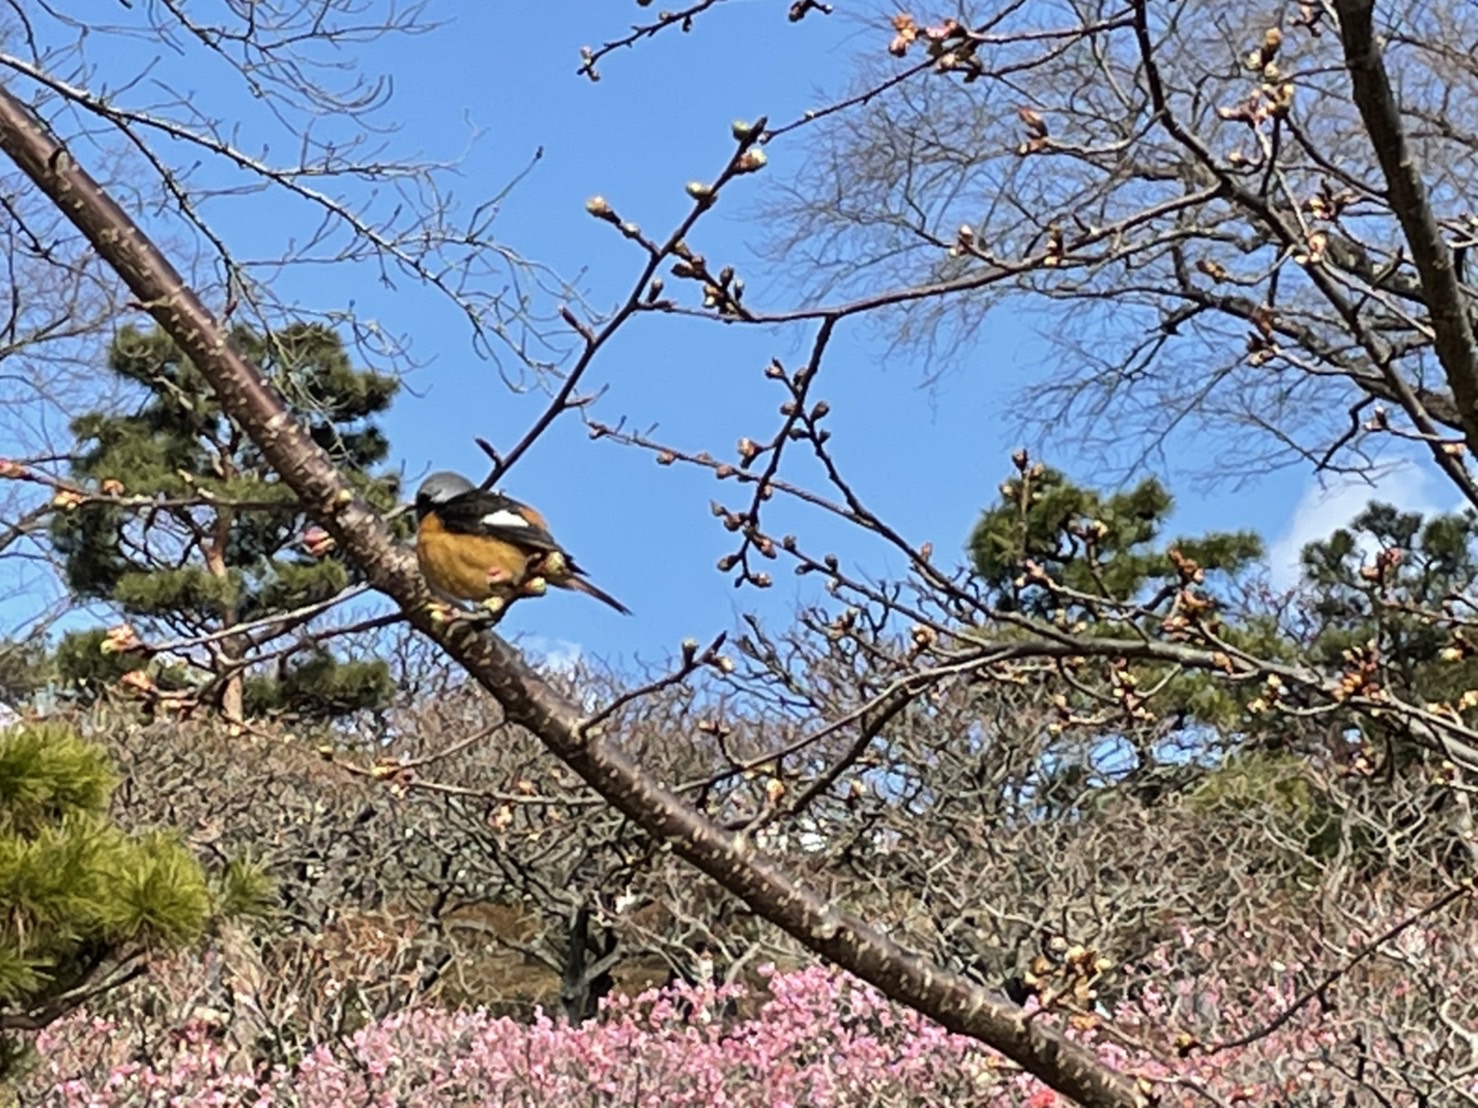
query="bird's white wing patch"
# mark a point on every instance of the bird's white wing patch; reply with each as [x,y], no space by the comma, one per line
[504,518]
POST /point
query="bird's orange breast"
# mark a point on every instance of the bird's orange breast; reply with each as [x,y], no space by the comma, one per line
[458,564]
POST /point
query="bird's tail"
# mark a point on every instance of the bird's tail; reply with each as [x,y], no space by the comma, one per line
[580,585]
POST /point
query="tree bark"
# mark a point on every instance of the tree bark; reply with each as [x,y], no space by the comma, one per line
[1452,329]
[232,647]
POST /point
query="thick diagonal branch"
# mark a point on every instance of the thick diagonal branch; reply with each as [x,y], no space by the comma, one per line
[728,858]
[1451,326]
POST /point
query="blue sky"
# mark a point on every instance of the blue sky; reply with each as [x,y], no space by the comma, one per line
[490,89]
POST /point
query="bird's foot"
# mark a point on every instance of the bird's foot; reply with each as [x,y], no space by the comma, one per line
[448,613]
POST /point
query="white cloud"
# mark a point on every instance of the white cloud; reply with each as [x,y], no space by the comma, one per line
[1326,507]
[552,655]
[559,658]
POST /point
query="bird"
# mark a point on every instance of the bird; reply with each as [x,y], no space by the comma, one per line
[480,545]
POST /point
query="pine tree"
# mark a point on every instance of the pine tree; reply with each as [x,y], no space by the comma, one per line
[1106,553]
[85,902]
[1089,541]
[1404,582]
[220,547]
[1390,578]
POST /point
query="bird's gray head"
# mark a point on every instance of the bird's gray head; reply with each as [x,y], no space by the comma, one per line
[438,489]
